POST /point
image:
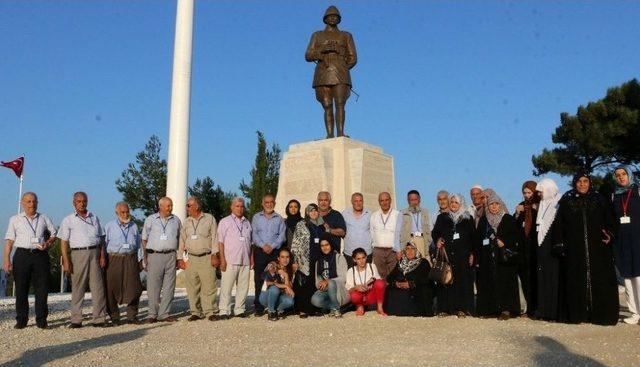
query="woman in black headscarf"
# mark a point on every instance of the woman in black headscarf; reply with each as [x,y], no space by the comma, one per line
[293,217]
[585,223]
[525,216]
[497,249]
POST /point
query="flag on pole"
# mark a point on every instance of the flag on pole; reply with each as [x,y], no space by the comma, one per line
[16,165]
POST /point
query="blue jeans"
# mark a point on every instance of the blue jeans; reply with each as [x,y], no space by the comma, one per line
[327,299]
[273,297]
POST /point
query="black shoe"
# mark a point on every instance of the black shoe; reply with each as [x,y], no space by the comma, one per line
[194,318]
[303,315]
[214,318]
[74,326]
[273,316]
[258,313]
[116,322]
[224,317]
[243,315]
[42,325]
[281,315]
[101,324]
[19,325]
[133,322]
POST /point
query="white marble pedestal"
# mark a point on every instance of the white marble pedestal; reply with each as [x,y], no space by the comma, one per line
[341,166]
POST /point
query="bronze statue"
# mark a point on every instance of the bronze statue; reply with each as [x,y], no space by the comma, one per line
[334,53]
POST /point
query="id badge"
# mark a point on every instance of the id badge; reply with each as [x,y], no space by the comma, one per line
[163,237]
[625,220]
[194,236]
[456,236]
[316,240]
[523,224]
[126,246]
[485,242]
[35,240]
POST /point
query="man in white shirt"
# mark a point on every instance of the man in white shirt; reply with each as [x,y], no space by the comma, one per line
[386,225]
[31,233]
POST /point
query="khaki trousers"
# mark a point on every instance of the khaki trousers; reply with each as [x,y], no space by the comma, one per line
[87,272]
[237,275]
[201,286]
[385,260]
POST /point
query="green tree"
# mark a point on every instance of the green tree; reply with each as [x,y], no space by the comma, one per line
[264,175]
[215,200]
[601,134]
[144,182]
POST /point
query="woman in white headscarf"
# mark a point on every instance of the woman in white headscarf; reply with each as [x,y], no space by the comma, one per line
[549,252]
[498,292]
[454,233]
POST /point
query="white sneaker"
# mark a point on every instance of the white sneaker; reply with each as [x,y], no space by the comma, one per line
[633,320]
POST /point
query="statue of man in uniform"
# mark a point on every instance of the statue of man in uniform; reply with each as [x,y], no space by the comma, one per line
[334,53]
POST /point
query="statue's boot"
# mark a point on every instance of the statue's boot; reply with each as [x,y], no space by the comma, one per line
[329,127]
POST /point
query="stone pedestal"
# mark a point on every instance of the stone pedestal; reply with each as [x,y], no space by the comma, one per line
[341,166]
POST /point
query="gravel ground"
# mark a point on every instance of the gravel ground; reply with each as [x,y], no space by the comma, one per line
[319,341]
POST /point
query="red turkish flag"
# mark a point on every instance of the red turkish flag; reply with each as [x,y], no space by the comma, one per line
[16,165]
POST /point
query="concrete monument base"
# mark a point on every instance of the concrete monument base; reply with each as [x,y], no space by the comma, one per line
[341,166]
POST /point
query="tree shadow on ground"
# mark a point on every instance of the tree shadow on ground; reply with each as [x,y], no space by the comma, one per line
[44,355]
[554,353]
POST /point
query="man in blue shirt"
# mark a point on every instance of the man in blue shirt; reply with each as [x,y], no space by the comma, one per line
[357,219]
[269,233]
[123,265]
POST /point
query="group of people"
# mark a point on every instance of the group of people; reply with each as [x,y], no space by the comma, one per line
[563,250]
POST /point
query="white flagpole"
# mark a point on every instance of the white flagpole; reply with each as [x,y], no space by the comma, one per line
[20,192]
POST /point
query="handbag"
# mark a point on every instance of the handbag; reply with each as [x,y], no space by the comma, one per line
[507,255]
[441,271]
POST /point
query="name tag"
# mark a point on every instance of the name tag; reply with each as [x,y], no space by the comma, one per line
[163,237]
[625,220]
[35,240]
[194,236]
[485,242]
[417,234]
[456,236]
[242,238]
[316,240]
[523,224]
[126,246]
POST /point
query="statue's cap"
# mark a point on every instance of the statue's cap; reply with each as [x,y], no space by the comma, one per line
[332,10]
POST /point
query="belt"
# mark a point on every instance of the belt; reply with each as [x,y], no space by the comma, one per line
[30,250]
[150,251]
[199,255]
[84,248]
[118,254]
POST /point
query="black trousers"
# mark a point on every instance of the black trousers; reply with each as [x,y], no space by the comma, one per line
[260,261]
[31,268]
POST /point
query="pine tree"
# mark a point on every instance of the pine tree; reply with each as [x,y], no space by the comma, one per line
[264,175]
[215,200]
[142,184]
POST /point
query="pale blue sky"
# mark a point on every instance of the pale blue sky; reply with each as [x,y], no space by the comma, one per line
[458,92]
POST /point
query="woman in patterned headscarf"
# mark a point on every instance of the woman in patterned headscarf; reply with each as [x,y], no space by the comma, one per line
[497,266]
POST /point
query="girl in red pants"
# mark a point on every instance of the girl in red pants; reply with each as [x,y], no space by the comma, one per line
[364,284]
